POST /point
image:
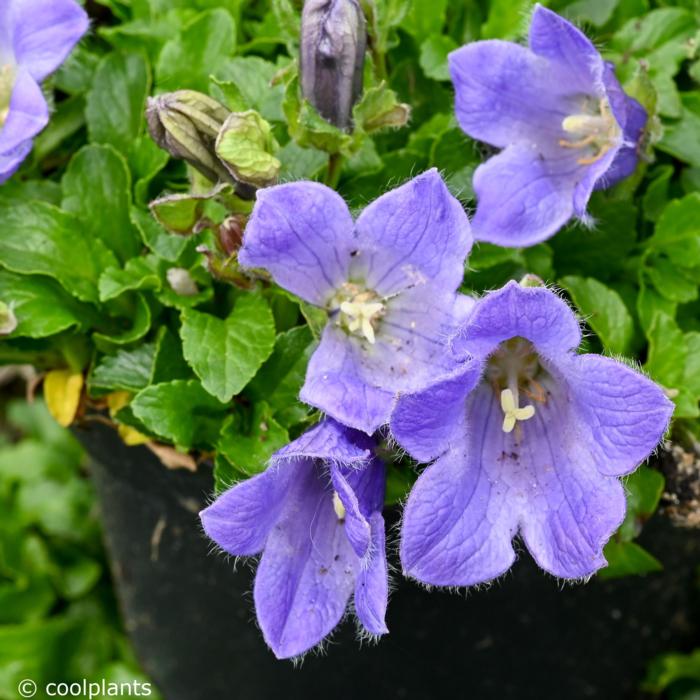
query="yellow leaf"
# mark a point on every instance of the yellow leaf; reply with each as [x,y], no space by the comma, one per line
[62,389]
[130,436]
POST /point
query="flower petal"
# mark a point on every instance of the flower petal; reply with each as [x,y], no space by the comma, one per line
[626,413]
[302,233]
[504,94]
[28,113]
[44,33]
[523,197]
[632,117]
[11,160]
[568,48]
[457,527]
[417,232]
[431,421]
[356,524]
[411,345]
[307,572]
[334,385]
[533,313]
[329,441]
[372,586]
[569,509]
[241,518]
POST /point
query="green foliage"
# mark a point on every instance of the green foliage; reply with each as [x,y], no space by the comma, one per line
[87,268]
[58,617]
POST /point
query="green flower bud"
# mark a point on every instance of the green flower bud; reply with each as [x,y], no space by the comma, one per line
[186,123]
[245,146]
[332,55]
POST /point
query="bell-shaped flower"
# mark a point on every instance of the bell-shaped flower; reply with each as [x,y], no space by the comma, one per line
[559,115]
[387,282]
[316,516]
[35,38]
[530,439]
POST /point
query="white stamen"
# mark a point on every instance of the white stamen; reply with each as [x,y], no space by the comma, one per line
[599,131]
[512,412]
[338,506]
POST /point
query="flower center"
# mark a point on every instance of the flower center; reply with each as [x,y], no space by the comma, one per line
[7,81]
[338,506]
[360,310]
[512,368]
[595,128]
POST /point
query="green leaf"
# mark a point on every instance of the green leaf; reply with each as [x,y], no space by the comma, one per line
[300,163]
[169,362]
[138,273]
[127,370]
[66,121]
[130,328]
[180,411]
[507,19]
[672,282]
[424,18]
[146,160]
[677,232]
[41,306]
[280,379]
[433,56]
[252,77]
[627,559]
[187,60]
[226,354]
[379,108]
[165,245]
[604,311]
[644,488]
[116,102]
[97,189]
[248,441]
[43,240]
[680,137]
[672,668]
[656,197]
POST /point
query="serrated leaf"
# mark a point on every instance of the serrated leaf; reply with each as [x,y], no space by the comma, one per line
[165,245]
[126,370]
[40,239]
[226,354]
[671,281]
[604,311]
[433,56]
[180,411]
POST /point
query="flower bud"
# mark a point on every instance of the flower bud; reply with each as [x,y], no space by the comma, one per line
[186,123]
[181,282]
[332,55]
[245,145]
[8,320]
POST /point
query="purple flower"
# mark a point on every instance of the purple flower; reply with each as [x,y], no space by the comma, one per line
[316,515]
[387,281]
[35,38]
[559,114]
[530,438]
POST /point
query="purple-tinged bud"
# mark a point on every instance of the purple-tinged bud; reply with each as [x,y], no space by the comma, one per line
[230,233]
[332,56]
[186,123]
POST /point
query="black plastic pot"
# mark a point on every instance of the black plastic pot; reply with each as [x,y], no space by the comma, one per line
[191,619]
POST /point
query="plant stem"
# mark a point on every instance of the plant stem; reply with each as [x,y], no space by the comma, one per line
[335,163]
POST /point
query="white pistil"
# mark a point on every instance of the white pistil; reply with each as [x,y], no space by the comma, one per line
[512,412]
[338,506]
[361,314]
[600,131]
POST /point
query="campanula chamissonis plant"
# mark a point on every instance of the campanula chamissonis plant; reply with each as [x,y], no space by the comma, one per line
[316,515]
[387,282]
[559,115]
[35,38]
[530,439]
